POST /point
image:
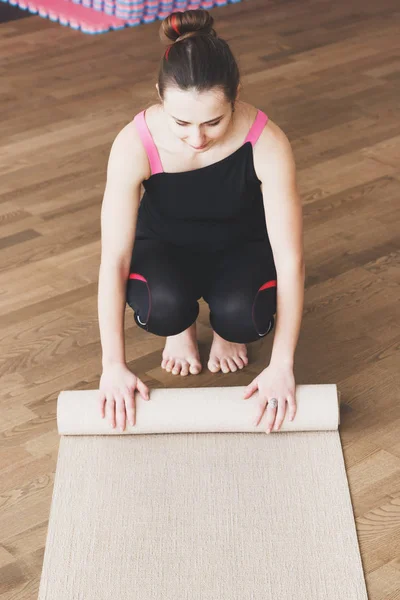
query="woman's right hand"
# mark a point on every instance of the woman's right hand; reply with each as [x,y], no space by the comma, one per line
[117,394]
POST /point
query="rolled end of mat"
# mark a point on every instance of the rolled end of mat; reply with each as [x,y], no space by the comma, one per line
[198,410]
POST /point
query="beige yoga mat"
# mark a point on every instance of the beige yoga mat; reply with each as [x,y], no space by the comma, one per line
[196,503]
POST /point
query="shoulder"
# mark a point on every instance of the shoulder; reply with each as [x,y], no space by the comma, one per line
[273,152]
[128,150]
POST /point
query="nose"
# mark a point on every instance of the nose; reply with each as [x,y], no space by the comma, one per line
[197,140]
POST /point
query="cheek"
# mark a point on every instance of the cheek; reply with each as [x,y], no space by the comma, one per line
[218,134]
[222,129]
[179,132]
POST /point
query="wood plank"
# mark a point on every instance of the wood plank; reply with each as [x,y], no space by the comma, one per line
[329,76]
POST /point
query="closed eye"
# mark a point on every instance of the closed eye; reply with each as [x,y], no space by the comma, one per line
[210,124]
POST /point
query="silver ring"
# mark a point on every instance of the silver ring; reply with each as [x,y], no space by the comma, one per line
[273,402]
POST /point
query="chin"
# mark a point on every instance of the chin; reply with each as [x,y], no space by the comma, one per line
[202,148]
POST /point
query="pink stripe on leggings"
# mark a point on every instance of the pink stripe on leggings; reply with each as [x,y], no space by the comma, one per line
[137,276]
[268,284]
[141,278]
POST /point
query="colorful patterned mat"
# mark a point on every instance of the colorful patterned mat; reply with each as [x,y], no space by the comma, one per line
[99,16]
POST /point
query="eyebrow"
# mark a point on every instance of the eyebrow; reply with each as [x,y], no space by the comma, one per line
[205,123]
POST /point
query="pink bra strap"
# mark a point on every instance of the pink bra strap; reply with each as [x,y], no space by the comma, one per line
[257,127]
[149,145]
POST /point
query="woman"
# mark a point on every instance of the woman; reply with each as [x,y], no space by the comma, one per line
[216,171]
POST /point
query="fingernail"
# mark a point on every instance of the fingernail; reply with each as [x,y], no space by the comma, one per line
[268,431]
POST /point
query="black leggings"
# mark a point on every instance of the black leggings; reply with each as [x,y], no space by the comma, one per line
[238,284]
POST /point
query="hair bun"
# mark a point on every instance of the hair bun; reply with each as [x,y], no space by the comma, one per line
[189,23]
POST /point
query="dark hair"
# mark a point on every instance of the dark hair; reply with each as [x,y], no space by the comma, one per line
[199,59]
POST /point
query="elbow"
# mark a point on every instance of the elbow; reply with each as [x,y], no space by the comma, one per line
[292,266]
[120,266]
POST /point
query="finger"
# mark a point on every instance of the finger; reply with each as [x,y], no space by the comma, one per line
[261,414]
[102,400]
[291,407]
[110,409]
[129,399]
[251,388]
[280,415]
[271,413]
[120,411]
[143,389]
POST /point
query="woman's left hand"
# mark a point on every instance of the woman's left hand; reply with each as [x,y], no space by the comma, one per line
[274,382]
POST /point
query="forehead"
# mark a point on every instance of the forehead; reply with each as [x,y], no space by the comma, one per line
[194,107]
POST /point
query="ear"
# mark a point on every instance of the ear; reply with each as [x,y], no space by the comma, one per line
[158,92]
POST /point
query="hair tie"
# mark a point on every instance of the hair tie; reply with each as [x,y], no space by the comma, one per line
[173,24]
[175,28]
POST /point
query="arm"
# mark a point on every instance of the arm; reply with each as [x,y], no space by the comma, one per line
[127,167]
[283,212]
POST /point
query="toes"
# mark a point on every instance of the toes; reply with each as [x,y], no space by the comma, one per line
[177,368]
[195,368]
[232,364]
[185,369]
[224,366]
[213,365]
[238,362]
[244,358]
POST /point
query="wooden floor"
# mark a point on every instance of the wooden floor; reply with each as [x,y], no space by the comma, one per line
[328,73]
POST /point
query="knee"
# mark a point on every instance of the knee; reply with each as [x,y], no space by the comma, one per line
[244,319]
[160,309]
[170,313]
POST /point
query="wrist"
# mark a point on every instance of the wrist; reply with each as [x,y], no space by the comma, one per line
[282,362]
[110,362]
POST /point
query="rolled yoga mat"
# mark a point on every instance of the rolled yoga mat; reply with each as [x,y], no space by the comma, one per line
[193,503]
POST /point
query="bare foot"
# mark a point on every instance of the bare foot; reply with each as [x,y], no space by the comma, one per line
[227,356]
[181,353]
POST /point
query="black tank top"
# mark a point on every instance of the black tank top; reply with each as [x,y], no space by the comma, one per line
[207,209]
